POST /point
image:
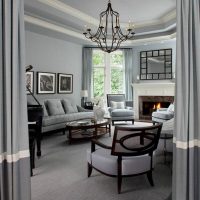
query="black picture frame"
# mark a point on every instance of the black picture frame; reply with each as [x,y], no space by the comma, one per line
[46,83]
[65,83]
[30,82]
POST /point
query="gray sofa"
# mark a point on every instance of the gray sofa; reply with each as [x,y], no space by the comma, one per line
[59,111]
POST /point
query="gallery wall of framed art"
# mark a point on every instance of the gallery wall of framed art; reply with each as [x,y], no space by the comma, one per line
[48,82]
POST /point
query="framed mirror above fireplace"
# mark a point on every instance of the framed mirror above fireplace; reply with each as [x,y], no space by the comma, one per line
[156,64]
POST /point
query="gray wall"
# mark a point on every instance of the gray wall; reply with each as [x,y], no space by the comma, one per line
[152,46]
[47,54]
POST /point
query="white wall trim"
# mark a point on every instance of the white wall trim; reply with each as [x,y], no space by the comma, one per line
[45,24]
[10,158]
[186,145]
[150,89]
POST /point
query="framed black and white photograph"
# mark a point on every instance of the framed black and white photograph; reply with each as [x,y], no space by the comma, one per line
[46,83]
[29,82]
[65,83]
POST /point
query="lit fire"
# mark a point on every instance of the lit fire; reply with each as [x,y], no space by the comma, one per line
[156,106]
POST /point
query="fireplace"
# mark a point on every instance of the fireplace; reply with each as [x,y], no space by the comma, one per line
[148,104]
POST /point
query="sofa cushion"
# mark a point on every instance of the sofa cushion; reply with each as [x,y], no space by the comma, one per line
[55,107]
[45,113]
[117,105]
[69,106]
[57,119]
[121,113]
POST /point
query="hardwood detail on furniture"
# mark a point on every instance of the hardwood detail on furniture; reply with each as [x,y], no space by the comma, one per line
[91,129]
[130,143]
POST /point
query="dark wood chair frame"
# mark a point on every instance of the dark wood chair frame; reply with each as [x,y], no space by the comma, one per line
[143,133]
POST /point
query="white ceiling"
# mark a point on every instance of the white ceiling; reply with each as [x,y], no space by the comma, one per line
[153,19]
[134,10]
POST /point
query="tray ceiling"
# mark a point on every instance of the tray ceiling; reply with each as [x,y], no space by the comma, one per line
[153,19]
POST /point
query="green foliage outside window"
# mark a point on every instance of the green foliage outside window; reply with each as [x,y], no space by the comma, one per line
[98,82]
[116,80]
[117,73]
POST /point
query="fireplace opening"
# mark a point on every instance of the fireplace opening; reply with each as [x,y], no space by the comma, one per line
[149,107]
[149,104]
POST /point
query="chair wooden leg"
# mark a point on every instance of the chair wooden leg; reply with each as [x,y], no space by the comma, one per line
[112,123]
[150,178]
[119,174]
[89,170]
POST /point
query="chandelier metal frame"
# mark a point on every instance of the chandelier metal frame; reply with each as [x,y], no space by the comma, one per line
[102,36]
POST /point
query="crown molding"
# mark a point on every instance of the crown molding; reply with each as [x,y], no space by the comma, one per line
[56,4]
[64,30]
[63,7]
[60,29]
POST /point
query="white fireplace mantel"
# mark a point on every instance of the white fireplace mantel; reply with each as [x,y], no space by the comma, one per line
[150,89]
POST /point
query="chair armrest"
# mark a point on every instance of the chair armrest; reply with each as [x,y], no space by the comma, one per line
[96,142]
[110,109]
[162,109]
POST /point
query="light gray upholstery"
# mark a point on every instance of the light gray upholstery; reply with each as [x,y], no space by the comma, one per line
[55,107]
[58,121]
[102,160]
[69,106]
[163,114]
[119,114]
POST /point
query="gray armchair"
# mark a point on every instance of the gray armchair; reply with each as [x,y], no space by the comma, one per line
[119,108]
[163,114]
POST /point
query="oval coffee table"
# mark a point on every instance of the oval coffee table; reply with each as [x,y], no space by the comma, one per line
[87,128]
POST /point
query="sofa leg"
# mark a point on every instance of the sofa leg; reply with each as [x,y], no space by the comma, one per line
[133,121]
[89,170]
[63,131]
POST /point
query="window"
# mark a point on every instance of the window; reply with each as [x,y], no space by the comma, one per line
[108,73]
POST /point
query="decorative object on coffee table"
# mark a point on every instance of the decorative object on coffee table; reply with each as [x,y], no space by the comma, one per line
[98,113]
[46,83]
[65,83]
[29,81]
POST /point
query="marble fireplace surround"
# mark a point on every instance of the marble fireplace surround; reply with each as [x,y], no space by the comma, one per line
[150,89]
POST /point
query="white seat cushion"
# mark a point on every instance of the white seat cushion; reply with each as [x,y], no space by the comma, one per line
[102,160]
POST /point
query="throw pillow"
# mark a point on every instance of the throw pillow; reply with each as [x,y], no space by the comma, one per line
[170,108]
[55,107]
[69,106]
[117,105]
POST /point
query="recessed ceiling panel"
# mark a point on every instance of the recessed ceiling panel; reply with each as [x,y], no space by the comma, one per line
[134,10]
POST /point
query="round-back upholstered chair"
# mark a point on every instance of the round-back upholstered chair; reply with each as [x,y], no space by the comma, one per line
[131,153]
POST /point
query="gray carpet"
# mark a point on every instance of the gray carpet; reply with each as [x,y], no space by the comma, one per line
[61,174]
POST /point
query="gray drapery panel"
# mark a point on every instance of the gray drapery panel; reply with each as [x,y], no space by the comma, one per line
[128,58]
[186,172]
[14,148]
[87,70]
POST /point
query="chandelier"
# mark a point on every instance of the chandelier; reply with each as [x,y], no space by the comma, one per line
[109,35]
